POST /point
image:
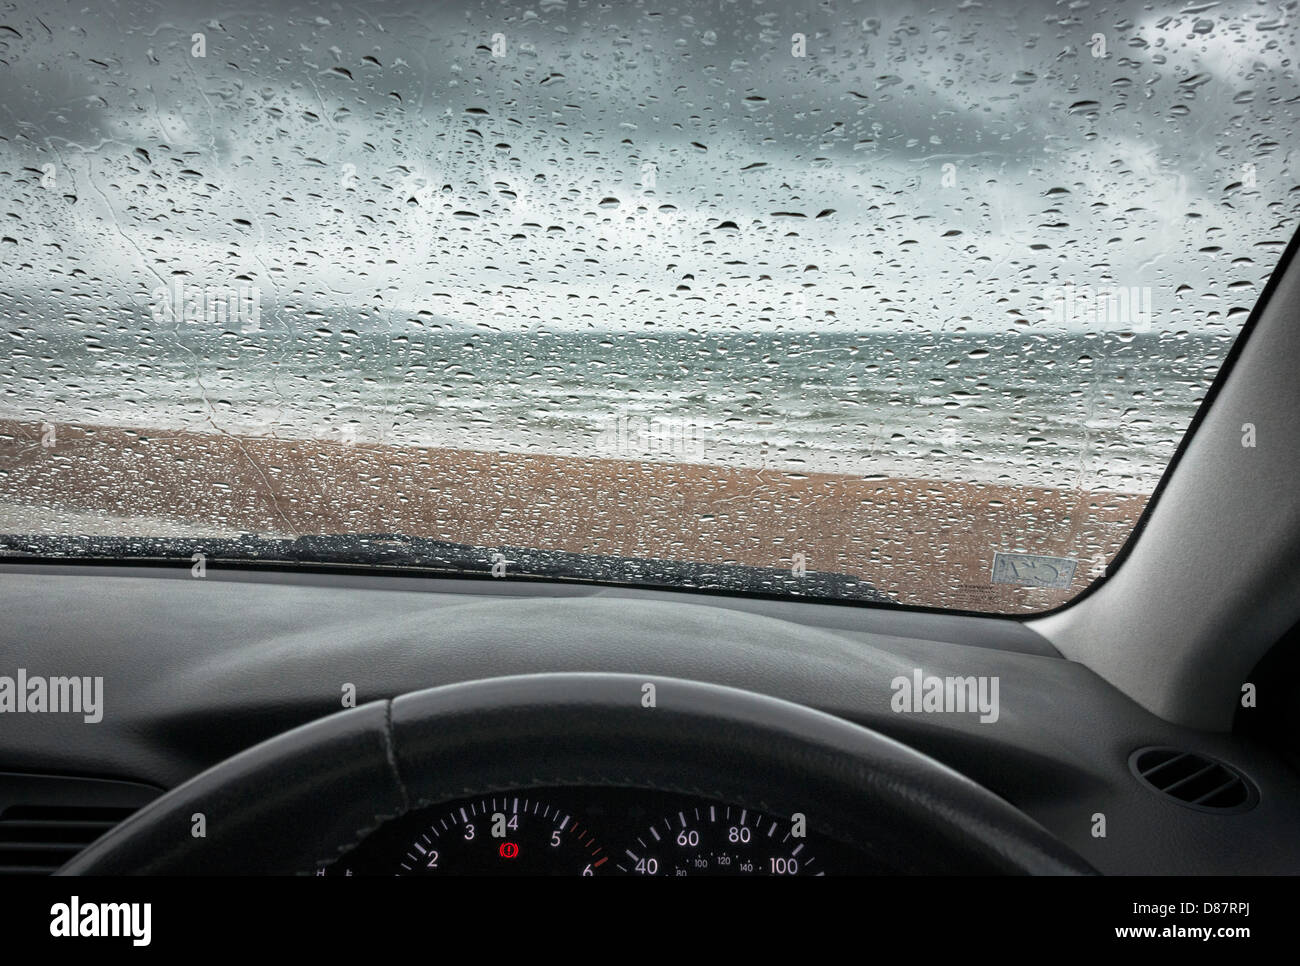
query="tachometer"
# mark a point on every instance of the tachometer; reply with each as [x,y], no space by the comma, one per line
[511,834]
[717,839]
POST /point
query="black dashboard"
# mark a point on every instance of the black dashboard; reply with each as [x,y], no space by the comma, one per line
[239,658]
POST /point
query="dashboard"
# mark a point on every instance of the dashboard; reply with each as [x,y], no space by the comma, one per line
[590,831]
[240,659]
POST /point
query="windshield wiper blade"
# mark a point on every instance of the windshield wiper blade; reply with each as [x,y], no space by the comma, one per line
[398,551]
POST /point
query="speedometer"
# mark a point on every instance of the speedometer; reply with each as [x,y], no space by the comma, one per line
[717,839]
[514,834]
[593,831]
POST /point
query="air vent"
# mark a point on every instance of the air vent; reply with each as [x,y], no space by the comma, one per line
[45,820]
[39,839]
[1194,780]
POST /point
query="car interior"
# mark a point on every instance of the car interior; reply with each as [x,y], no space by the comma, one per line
[382,701]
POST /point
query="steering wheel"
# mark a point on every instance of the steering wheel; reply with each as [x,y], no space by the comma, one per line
[295,803]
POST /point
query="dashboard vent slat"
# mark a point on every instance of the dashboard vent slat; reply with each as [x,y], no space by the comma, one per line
[1194,780]
[1162,762]
[46,820]
[36,840]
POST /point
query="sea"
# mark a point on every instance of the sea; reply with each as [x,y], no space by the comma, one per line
[1095,411]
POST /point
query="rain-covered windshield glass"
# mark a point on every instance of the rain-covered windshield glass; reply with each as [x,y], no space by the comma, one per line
[866,300]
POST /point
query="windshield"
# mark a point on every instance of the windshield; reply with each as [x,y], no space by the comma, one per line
[824,299]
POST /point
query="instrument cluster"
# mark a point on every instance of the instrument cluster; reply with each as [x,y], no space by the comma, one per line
[597,831]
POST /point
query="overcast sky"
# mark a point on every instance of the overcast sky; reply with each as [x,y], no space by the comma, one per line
[625,165]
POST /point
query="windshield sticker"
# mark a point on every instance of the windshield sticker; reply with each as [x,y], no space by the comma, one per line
[1033,570]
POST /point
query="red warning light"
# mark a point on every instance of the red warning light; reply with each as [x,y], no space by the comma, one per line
[508,850]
